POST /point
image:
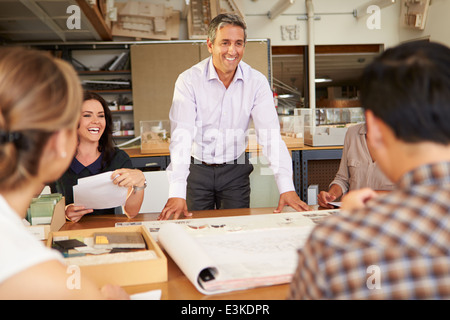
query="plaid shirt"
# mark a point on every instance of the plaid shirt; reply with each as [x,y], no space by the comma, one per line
[397,247]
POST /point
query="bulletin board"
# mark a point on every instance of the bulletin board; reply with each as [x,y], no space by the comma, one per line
[156,66]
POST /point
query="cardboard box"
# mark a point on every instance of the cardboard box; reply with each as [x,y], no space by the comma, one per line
[41,232]
[125,273]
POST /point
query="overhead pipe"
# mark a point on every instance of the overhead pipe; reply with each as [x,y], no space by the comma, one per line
[279,8]
[311,57]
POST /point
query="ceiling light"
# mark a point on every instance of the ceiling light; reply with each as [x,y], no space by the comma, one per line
[321,80]
[279,8]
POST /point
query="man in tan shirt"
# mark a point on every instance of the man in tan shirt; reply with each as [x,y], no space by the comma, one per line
[357,169]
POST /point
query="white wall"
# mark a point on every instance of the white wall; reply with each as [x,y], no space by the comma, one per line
[337,25]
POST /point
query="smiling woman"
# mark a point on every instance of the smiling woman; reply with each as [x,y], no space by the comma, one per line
[96,154]
[92,122]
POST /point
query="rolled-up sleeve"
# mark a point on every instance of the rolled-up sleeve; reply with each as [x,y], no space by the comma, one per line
[342,177]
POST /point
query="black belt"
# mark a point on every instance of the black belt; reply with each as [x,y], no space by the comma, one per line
[214,164]
[236,161]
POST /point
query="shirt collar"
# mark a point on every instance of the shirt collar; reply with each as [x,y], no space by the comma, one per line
[212,73]
[431,173]
[94,167]
[363,129]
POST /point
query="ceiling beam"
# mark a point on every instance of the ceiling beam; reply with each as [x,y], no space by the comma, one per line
[44,17]
[95,18]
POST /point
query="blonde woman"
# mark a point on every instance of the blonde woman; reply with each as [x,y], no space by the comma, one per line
[40,101]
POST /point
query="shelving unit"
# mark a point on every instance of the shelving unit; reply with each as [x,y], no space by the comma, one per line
[90,60]
[119,96]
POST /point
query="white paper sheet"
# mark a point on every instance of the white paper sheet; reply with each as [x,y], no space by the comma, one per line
[219,225]
[238,260]
[186,253]
[240,251]
[99,192]
[148,295]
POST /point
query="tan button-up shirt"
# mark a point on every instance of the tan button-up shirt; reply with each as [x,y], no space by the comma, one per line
[357,169]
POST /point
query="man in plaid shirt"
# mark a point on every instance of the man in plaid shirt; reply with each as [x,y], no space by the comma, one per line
[394,246]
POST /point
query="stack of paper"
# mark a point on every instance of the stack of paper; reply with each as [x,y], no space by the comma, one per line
[41,208]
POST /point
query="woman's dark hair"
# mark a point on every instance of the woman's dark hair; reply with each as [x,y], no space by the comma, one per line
[408,87]
[106,143]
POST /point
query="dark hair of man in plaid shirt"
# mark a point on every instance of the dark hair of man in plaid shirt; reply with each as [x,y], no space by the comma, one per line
[393,246]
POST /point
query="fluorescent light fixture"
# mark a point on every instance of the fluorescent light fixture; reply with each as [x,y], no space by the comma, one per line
[279,8]
[362,10]
[285,96]
[321,80]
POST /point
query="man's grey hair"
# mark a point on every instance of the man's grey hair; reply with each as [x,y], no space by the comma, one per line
[223,20]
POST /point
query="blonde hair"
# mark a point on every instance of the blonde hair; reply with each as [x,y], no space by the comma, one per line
[39,95]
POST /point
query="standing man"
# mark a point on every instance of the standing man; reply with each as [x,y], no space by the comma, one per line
[212,106]
[396,245]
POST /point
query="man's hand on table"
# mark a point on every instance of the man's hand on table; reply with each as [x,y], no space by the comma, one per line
[175,206]
[291,199]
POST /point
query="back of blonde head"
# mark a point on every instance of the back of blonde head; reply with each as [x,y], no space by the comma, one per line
[39,95]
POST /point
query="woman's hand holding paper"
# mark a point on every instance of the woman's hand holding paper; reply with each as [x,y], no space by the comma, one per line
[75,213]
[128,178]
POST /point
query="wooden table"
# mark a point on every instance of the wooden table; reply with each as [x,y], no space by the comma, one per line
[178,287]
